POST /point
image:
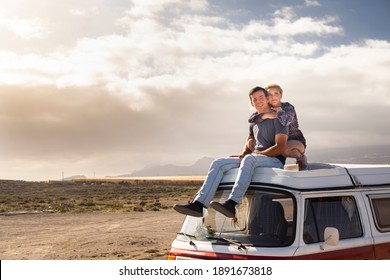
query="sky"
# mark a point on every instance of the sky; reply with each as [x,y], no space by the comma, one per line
[105,87]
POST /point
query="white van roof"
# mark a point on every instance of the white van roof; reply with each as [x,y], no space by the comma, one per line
[319,176]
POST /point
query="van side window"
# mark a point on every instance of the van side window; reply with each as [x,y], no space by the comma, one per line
[339,212]
[381,208]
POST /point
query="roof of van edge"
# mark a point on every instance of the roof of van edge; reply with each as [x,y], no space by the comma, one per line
[319,176]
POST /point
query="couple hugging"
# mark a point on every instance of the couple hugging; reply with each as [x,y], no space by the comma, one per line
[274,134]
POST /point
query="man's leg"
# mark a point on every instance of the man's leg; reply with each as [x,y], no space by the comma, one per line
[209,187]
[247,167]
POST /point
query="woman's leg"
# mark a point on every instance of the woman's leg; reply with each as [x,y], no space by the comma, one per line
[295,149]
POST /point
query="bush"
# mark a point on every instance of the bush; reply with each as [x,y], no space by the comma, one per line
[87,203]
[138,209]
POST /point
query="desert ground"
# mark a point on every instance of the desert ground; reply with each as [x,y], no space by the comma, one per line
[91,219]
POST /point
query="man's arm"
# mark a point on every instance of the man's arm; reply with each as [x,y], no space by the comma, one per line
[278,148]
[249,146]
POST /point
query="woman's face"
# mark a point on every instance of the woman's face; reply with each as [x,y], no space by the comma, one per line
[275,97]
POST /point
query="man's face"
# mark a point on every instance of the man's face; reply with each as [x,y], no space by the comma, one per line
[275,97]
[260,102]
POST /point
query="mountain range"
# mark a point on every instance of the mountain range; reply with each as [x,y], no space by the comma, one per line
[363,155]
[351,155]
[199,168]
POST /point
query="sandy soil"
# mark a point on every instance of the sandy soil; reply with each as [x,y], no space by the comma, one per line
[92,235]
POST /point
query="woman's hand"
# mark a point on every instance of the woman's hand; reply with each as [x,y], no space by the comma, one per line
[271,115]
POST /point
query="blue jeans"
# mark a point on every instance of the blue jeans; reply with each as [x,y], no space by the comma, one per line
[246,165]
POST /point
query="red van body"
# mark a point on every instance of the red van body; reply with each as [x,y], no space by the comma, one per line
[327,212]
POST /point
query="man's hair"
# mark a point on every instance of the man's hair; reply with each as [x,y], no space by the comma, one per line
[256,89]
[273,85]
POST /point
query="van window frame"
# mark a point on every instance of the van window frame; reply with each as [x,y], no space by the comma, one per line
[329,197]
[375,212]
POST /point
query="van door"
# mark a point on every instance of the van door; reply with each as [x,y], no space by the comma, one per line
[379,207]
[339,211]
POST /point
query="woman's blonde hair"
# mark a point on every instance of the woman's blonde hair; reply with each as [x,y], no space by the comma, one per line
[273,85]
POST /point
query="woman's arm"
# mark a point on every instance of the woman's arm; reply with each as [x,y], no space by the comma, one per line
[286,114]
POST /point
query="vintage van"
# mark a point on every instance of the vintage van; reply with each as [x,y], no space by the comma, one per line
[330,211]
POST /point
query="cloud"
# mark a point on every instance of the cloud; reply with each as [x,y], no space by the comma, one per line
[24,28]
[172,83]
[80,129]
[286,23]
[77,12]
[312,3]
[159,47]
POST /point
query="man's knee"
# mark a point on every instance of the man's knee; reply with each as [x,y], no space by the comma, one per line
[248,161]
[225,164]
[217,163]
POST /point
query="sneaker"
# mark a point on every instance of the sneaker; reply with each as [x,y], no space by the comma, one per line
[302,163]
[191,209]
[227,208]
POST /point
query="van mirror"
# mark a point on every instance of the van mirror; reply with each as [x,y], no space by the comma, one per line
[331,236]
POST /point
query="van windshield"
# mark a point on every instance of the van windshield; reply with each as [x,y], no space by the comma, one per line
[264,218]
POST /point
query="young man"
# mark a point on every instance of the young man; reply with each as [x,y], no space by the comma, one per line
[271,140]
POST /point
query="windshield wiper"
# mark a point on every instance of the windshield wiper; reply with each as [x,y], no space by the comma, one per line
[188,237]
[230,241]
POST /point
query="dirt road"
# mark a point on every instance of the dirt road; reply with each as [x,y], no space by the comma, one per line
[89,236]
